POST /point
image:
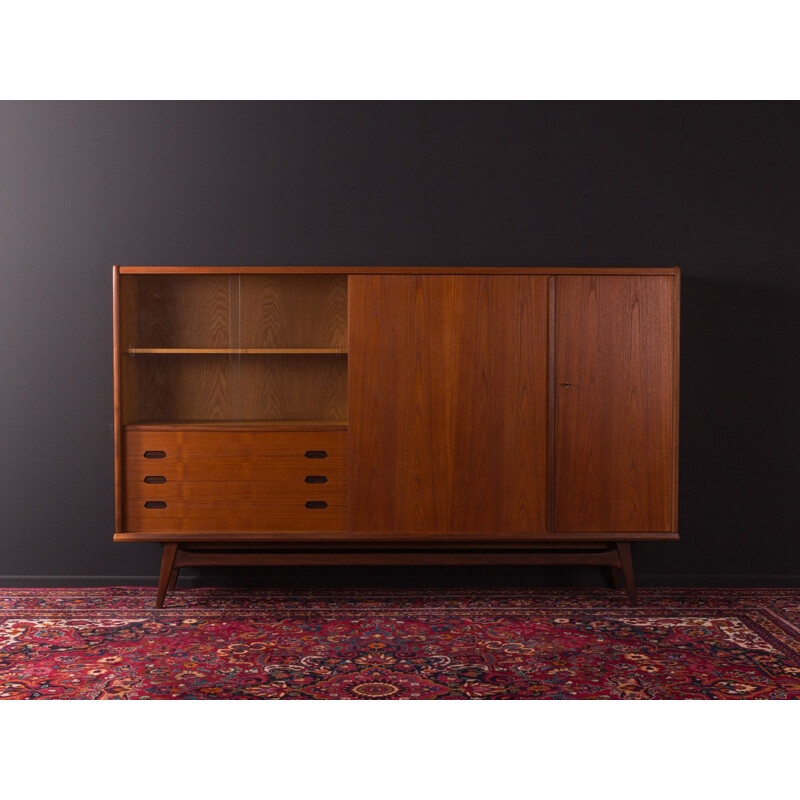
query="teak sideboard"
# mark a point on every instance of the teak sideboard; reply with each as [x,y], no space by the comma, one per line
[372,415]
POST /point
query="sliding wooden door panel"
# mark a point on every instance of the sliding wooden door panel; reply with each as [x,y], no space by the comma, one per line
[614,387]
[448,403]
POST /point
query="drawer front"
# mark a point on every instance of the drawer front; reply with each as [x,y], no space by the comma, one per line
[230,482]
[173,447]
[284,470]
[279,492]
[234,517]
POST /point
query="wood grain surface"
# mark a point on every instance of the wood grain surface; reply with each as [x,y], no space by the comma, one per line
[235,481]
[614,433]
[451,376]
[440,270]
[286,311]
[448,401]
[235,468]
[197,387]
[234,351]
[422,539]
[118,393]
[282,489]
[292,387]
[187,311]
[195,517]
[202,557]
[127,332]
[183,446]
[240,388]
[229,426]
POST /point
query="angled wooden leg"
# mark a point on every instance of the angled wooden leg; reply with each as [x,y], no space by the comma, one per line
[616,576]
[626,564]
[173,578]
[170,550]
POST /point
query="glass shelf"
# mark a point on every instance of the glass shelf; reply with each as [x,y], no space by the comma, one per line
[233,350]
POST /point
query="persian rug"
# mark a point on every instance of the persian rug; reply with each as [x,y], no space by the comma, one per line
[111,643]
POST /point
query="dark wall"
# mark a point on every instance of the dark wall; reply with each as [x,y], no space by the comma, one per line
[711,187]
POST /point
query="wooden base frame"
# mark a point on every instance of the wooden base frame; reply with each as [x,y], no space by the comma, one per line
[616,555]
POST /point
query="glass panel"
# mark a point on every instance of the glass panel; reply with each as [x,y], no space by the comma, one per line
[180,348]
[234,348]
[294,340]
[294,312]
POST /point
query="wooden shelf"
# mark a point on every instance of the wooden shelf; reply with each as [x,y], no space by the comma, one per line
[244,425]
[169,351]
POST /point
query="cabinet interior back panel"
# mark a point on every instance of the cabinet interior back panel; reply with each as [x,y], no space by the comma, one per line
[236,311]
[293,311]
[180,387]
[241,387]
[293,387]
[186,311]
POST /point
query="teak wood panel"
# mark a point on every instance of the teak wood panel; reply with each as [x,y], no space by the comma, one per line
[127,330]
[614,433]
[309,270]
[180,446]
[281,491]
[186,311]
[238,311]
[293,311]
[273,469]
[293,387]
[231,426]
[196,387]
[117,322]
[234,482]
[423,541]
[212,519]
[232,387]
[448,403]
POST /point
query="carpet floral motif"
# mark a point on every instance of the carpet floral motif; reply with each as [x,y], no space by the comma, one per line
[111,643]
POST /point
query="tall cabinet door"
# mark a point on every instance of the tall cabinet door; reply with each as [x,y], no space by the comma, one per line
[614,403]
[448,403]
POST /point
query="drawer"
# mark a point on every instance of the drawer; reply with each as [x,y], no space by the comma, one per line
[266,469]
[235,481]
[280,491]
[171,447]
[234,517]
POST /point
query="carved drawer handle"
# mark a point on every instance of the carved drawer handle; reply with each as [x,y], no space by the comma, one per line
[316,479]
[154,454]
[155,504]
[316,504]
[155,479]
[316,454]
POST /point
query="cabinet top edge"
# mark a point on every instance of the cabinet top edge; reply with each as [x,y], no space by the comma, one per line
[186,270]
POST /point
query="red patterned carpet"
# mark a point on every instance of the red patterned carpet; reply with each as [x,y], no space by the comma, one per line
[504,644]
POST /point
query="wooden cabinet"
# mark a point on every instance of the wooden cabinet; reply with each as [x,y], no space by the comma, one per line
[376,415]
